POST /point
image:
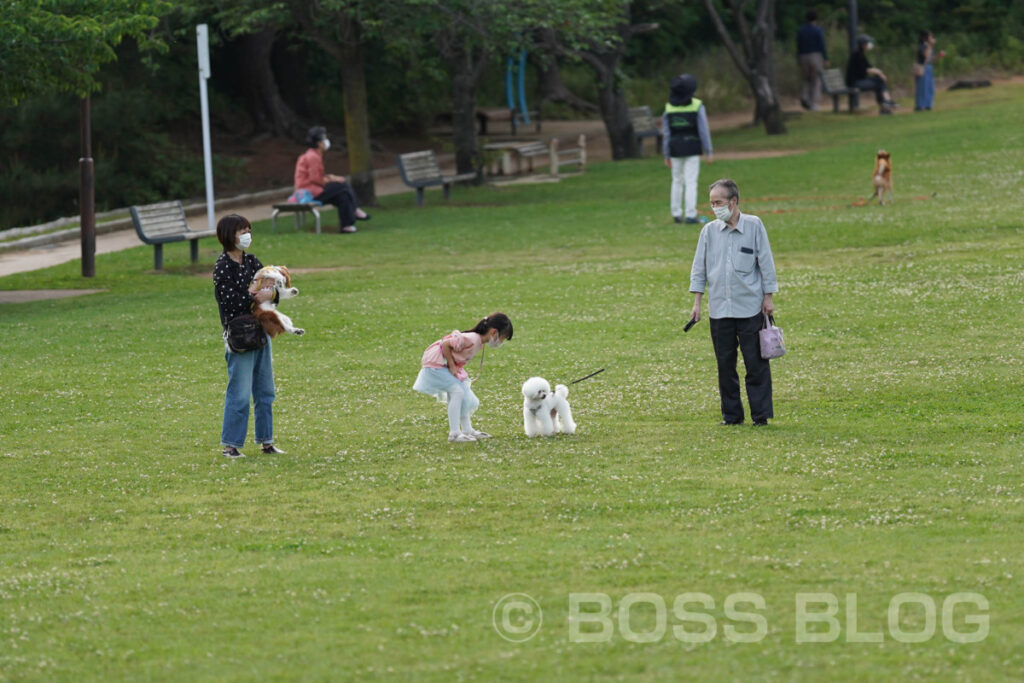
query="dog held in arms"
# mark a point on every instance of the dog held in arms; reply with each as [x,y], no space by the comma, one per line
[273,321]
[546,412]
[882,177]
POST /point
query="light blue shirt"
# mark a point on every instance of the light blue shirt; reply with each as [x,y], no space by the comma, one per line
[735,266]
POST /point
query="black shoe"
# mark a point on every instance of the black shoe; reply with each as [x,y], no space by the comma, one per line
[692,221]
[726,423]
[232,452]
[760,423]
[364,218]
[804,103]
[677,219]
[271,449]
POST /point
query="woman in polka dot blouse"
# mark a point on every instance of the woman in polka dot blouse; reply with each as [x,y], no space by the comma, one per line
[250,373]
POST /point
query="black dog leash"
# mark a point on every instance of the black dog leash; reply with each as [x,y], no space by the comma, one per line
[598,372]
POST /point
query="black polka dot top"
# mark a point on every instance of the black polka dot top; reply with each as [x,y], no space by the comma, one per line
[231,282]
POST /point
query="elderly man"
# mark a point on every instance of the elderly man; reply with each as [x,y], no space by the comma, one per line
[734,264]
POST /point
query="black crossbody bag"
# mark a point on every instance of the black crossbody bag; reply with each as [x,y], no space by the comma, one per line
[244,333]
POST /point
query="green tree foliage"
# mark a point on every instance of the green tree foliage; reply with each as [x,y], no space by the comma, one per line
[59,45]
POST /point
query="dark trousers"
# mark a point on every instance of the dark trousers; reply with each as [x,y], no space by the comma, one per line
[344,197]
[727,334]
[873,83]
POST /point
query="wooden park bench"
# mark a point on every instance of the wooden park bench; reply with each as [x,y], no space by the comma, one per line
[486,115]
[158,224]
[834,85]
[644,126]
[420,170]
[573,156]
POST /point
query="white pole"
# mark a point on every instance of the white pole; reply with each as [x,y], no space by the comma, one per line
[203,46]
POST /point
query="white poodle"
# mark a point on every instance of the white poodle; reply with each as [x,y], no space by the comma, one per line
[544,411]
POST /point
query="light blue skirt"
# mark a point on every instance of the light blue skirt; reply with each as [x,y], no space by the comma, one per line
[438,382]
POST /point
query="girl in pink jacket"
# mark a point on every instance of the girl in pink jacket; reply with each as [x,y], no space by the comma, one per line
[444,375]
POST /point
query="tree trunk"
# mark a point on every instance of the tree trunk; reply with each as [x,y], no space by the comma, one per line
[268,110]
[552,88]
[357,119]
[464,80]
[615,114]
[768,109]
[757,61]
[612,101]
[604,60]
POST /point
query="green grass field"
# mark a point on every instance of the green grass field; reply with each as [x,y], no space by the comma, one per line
[130,549]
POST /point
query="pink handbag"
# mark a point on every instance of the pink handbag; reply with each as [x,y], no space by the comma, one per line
[772,345]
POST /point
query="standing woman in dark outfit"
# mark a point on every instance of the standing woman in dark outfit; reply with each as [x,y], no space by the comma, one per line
[250,373]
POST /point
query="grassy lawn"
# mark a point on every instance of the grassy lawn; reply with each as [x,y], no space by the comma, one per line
[130,549]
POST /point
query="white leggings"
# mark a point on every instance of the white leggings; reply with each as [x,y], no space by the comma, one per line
[462,403]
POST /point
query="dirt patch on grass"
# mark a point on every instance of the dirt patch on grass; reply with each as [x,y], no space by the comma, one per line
[20,296]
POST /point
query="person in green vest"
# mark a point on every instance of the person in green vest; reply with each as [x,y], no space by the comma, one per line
[684,127]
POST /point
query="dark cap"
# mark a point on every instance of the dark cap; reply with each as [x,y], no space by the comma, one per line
[864,38]
[681,89]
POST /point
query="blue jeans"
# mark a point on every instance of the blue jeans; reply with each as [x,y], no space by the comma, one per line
[924,89]
[249,374]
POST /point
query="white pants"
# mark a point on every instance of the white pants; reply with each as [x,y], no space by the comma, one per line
[684,172]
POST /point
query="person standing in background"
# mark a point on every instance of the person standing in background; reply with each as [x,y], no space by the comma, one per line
[924,75]
[811,59]
[684,128]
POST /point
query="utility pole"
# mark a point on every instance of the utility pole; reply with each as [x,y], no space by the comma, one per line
[203,49]
[852,12]
[87,193]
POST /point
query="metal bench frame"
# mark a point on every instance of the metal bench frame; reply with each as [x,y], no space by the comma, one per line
[164,222]
[300,211]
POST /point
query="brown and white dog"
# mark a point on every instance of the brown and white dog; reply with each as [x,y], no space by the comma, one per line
[882,177]
[273,321]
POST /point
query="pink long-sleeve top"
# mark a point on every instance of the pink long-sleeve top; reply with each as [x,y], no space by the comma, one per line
[464,346]
[309,172]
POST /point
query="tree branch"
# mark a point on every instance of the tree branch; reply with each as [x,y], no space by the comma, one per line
[730,46]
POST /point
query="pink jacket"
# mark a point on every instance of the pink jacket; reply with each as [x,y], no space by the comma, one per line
[464,346]
[309,172]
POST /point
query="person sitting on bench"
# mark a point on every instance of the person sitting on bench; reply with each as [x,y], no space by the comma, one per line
[861,75]
[327,188]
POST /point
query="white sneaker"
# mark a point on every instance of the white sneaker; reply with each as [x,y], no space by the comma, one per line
[461,438]
[477,434]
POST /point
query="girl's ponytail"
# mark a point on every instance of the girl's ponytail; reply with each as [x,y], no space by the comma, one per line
[498,321]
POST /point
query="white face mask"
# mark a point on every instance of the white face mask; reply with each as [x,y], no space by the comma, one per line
[722,213]
[245,240]
[495,342]
[327,144]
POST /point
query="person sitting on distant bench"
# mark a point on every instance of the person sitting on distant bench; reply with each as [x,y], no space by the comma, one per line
[327,188]
[861,75]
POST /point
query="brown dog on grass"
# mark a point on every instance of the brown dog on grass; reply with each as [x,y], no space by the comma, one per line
[882,177]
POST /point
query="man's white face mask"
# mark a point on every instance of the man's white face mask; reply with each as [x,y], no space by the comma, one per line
[722,213]
[327,144]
